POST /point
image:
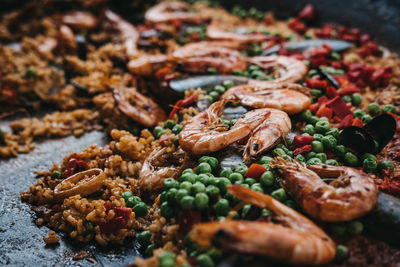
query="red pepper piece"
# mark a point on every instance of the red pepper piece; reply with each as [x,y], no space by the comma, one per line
[346,122]
[123,212]
[322,100]
[336,119]
[314,107]
[331,92]
[357,122]
[307,13]
[187,219]
[348,90]
[182,103]
[314,83]
[255,171]
[297,26]
[8,95]
[301,140]
[108,205]
[113,225]
[339,107]
[302,150]
[386,172]
[325,111]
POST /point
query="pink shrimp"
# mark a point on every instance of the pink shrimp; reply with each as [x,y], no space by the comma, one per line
[170,11]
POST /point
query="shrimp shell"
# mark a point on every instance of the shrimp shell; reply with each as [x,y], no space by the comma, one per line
[352,195]
[170,11]
[297,240]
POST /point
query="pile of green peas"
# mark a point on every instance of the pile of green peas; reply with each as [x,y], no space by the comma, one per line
[252,12]
[253,72]
[175,128]
[135,203]
[219,90]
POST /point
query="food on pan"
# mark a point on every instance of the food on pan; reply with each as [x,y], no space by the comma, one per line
[231,133]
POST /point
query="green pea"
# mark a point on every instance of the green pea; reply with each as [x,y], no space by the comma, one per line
[201,201]
[176,141]
[267,179]
[209,98]
[167,259]
[212,191]
[358,113]
[187,202]
[318,137]
[316,92]
[374,109]
[279,194]
[234,177]
[250,181]
[346,98]
[204,179]
[188,177]
[225,173]
[313,161]
[338,229]
[317,146]
[132,201]
[310,155]
[355,227]
[350,159]
[144,238]
[170,183]
[322,126]
[245,210]
[171,195]
[222,207]
[321,156]
[177,129]
[219,89]
[257,187]
[291,204]
[189,170]
[169,124]
[140,209]
[265,160]
[313,120]
[305,115]
[301,158]
[180,194]
[204,260]
[334,132]
[30,73]
[231,198]
[214,95]
[331,162]
[242,169]
[366,118]
[212,70]
[335,56]
[389,108]
[88,226]
[341,253]
[203,168]
[368,156]
[329,141]
[223,183]
[356,99]
[213,162]
[309,128]
[166,210]
[383,165]
[237,72]
[305,134]
[149,250]
[186,185]
[126,195]
[198,188]
[57,175]
[340,150]
[228,84]
[278,152]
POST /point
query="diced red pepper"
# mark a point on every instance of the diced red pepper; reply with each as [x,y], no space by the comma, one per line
[326,31]
[122,212]
[346,122]
[314,83]
[297,26]
[307,13]
[113,225]
[339,107]
[357,122]
[187,219]
[8,95]
[255,171]
[314,107]
[348,90]
[302,150]
[301,140]
[74,165]
[108,205]
[336,119]
[322,100]
[325,111]
[331,92]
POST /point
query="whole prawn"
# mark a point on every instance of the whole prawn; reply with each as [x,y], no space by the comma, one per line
[142,109]
[296,240]
[170,11]
[282,97]
[351,195]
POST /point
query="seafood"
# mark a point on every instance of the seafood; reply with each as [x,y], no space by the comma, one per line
[200,57]
[67,39]
[206,133]
[129,33]
[288,69]
[79,20]
[216,32]
[158,166]
[351,195]
[147,65]
[296,241]
[172,11]
[275,128]
[144,110]
[282,98]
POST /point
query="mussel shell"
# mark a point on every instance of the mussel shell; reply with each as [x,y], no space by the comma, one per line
[357,140]
[382,129]
[300,46]
[206,82]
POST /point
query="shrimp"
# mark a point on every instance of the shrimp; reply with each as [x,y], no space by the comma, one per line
[275,127]
[288,69]
[206,133]
[145,111]
[158,166]
[199,57]
[147,65]
[352,195]
[129,33]
[167,12]
[79,20]
[67,39]
[215,32]
[282,97]
[297,240]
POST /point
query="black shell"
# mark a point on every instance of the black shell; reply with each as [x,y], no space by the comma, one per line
[382,129]
[300,46]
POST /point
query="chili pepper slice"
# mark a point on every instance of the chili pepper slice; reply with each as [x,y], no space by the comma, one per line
[255,171]
[182,103]
[357,122]
[346,122]
[339,107]
[301,140]
[302,150]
